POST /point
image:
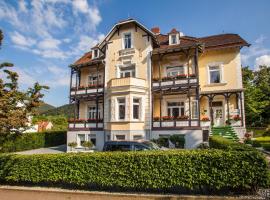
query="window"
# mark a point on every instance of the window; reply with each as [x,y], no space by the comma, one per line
[127,40]
[120,137]
[173,39]
[92,79]
[92,112]
[137,137]
[80,139]
[176,109]
[92,139]
[127,72]
[121,108]
[215,74]
[194,109]
[136,108]
[95,54]
[174,71]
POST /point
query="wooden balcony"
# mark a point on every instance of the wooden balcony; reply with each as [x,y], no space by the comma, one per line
[86,90]
[175,81]
[176,124]
[84,125]
[129,81]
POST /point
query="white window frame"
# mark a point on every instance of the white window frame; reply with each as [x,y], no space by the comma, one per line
[79,140]
[179,107]
[94,52]
[139,110]
[176,37]
[118,110]
[197,108]
[123,39]
[127,71]
[216,64]
[94,82]
[94,111]
[170,69]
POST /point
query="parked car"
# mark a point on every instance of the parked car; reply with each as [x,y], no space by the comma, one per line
[130,146]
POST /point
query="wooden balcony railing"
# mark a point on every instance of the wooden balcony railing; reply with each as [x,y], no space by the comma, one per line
[91,89]
[173,81]
[82,124]
[175,123]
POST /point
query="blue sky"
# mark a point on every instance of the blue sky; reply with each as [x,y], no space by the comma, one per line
[43,37]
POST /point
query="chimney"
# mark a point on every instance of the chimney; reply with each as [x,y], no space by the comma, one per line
[155,30]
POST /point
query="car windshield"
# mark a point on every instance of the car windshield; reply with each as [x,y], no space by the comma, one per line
[152,145]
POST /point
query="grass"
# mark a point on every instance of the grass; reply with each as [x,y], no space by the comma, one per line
[257,132]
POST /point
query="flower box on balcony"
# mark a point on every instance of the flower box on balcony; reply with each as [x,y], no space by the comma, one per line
[192,75]
[72,120]
[156,124]
[182,118]
[167,123]
[156,119]
[181,76]
[205,123]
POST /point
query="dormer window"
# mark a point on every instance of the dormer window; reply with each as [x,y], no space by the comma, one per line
[95,53]
[174,39]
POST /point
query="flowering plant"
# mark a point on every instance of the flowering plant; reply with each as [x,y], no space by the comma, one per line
[205,119]
[167,118]
[167,78]
[155,79]
[81,87]
[192,75]
[182,117]
[156,118]
[76,120]
[236,118]
[181,76]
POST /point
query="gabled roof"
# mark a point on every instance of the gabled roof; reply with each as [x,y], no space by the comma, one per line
[124,22]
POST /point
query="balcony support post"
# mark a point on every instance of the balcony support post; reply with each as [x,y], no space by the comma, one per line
[97,97]
[197,86]
[160,109]
[70,84]
[241,108]
[210,99]
[227,97]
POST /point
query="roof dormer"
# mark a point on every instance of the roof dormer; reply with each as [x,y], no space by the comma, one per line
[95,53]
[174,37]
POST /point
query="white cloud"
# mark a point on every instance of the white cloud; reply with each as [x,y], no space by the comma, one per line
[80,5]
[22,6]
[255,51]
[49,43]
[20,40]
[56,70]
[94,16]
[262,60]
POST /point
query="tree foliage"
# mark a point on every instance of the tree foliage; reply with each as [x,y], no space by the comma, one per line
[16,105]
[257,95]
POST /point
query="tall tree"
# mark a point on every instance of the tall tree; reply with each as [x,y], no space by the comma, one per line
[257,95]
[15,105]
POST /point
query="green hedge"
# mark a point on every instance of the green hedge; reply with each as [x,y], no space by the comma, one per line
[219,142]
[28,141]
[185,171]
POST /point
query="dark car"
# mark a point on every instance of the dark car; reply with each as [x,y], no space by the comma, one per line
[129,146]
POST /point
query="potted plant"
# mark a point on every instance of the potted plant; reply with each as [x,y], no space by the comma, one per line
[167,118]
[182,118]
[156,119]
[236,118]
[181,76]
[205,121]
[72,145]
[87,144]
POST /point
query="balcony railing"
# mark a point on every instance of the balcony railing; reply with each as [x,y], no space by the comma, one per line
[82,124]
[169,122]
[182,79]
[129,81]
[91,89]
[126,52]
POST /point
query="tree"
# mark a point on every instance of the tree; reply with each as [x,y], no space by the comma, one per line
[257,95]
[16,105]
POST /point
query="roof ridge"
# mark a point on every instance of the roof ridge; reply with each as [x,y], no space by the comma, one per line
[217,35]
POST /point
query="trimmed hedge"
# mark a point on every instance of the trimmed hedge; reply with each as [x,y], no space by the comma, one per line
[181,171]
[27,141]
[219,142]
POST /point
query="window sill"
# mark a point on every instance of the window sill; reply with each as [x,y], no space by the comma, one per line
[215,84]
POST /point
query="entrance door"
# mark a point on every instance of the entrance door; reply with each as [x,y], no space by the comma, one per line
[218,116]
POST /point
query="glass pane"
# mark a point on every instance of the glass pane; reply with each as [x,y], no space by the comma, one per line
[214,77]
[121,111]
[175,112]
[135,111]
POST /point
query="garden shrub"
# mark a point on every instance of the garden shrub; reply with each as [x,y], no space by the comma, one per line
[266,146]
[182,171]
[255,143]
[178,141]
[219,142]
[263,139]
[28,141]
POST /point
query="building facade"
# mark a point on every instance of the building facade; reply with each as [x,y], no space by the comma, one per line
[140,84]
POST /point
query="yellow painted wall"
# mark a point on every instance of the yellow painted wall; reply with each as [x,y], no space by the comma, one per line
[126,126]
[231,69]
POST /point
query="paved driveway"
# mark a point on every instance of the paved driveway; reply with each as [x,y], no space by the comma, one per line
[49,150]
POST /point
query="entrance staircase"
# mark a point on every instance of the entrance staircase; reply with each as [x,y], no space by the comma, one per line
[225,131]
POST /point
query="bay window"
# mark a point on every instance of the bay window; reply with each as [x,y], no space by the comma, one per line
[127,72]
[121,108]
[136,108]
[176,109]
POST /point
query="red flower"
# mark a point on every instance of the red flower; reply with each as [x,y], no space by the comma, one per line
[205,119]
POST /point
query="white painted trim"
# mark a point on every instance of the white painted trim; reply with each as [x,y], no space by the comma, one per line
[123,38]
[221,67]
[177,38]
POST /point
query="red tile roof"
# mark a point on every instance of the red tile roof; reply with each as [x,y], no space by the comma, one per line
[173,31]
[210,42]
[84,59]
